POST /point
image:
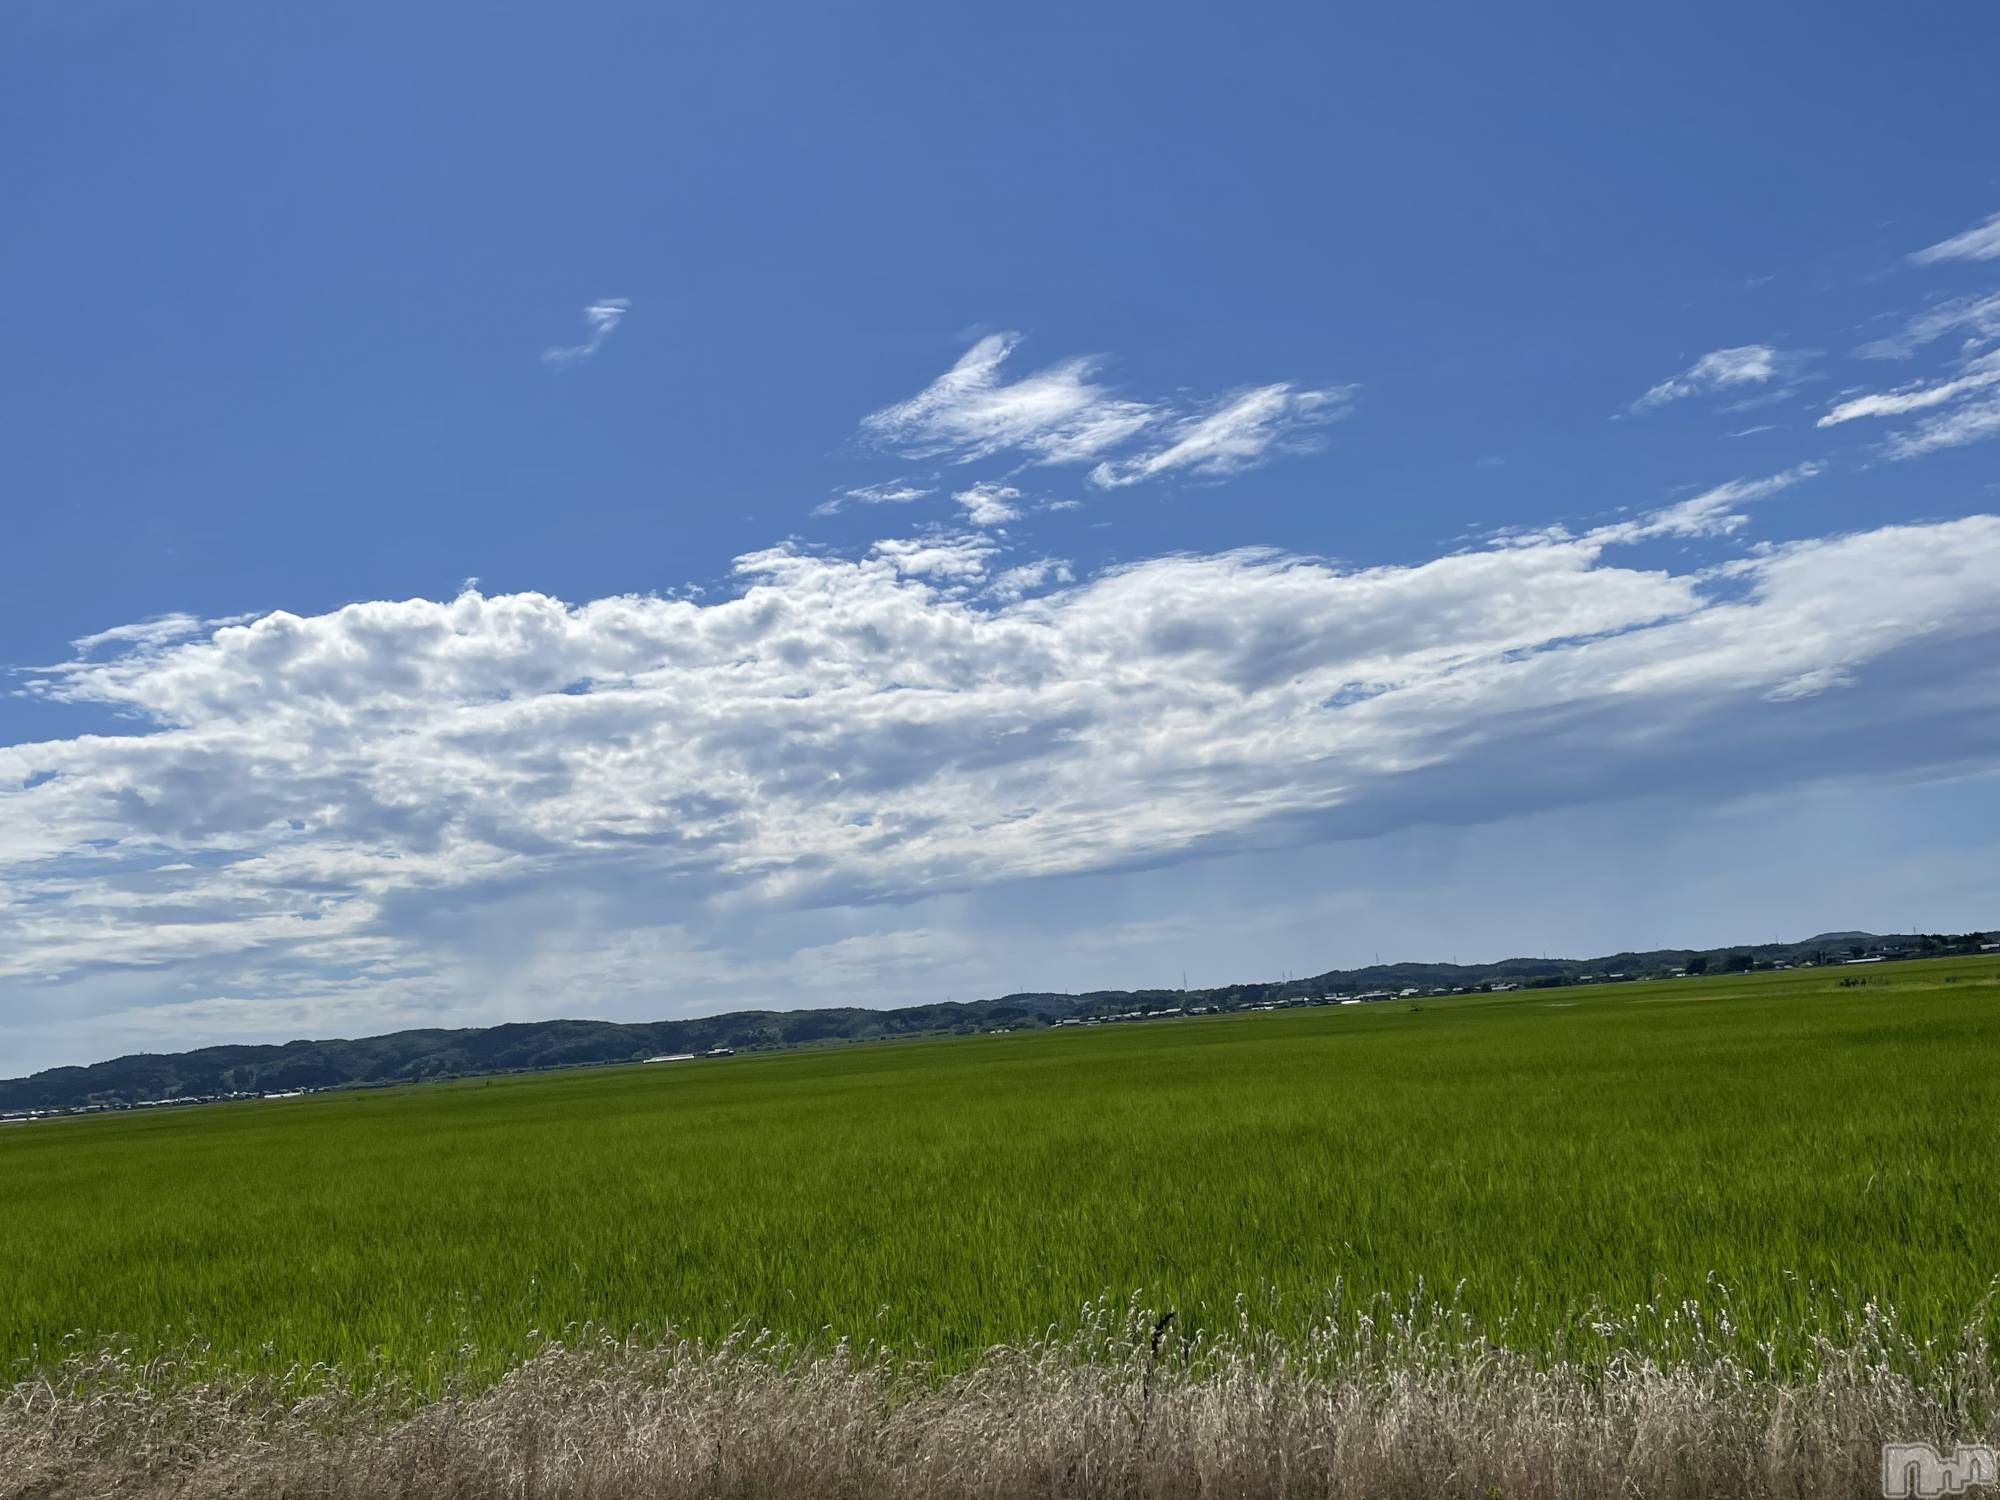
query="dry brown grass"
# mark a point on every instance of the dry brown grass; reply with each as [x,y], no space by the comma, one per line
[1369,1407]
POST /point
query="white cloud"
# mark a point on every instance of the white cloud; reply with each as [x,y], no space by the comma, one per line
[1810,684]
[602,319]
[889,492]
[1722,370]
[897,492]
[1055,415]
[1980,373]
[1016,583]
[1714,512]
[990,504]
[145,634]
[1977,318]
[1058,415]
[1972,420]
[1981,242]
[1971,423]
[407,809]
[1237,433]
[953,559]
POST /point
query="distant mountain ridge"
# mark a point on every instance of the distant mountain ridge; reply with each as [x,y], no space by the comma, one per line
[408,1056]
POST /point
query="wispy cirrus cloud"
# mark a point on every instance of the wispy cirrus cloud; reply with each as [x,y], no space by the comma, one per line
[1238,432]
[154,635]
[1981,242]
[1972,423]
[1980,373]
[1972,396]
[1062,415]
[1974,317]
[889,492]
[1722,370]
[143,635]
[1055,415]
[601,318]
[1716,511]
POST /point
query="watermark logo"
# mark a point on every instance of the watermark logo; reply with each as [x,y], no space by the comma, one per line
[1918,1469]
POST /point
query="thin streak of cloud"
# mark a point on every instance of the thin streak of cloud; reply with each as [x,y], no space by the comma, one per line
[1239,433]
[1980,374]
[602,319]
[1981,242]
[1721,370]
[145,635]
[1972,423]
[1976,317]
[1972,399]
[889,492]
[1714,512]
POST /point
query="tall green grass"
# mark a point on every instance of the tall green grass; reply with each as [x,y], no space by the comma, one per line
[1773,1147]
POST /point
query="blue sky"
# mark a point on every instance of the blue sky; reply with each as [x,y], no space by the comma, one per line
[962,501]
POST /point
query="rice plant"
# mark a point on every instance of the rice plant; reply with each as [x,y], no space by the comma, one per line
[1774,1150]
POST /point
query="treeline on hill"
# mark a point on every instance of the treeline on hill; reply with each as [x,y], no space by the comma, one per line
[411,1056]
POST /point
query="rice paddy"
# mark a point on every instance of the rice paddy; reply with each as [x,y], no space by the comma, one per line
[1774,1147]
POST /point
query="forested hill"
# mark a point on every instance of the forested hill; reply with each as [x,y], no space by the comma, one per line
[410,1055]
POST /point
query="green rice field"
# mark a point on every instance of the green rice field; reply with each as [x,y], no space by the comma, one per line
[1776,1141]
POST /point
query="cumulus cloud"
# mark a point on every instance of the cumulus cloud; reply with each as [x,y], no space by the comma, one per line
[1237,433]
[1981,242]
[1017,582]
[955,560]
[990,504]
[1722,370]
[601,318]
[397,809]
